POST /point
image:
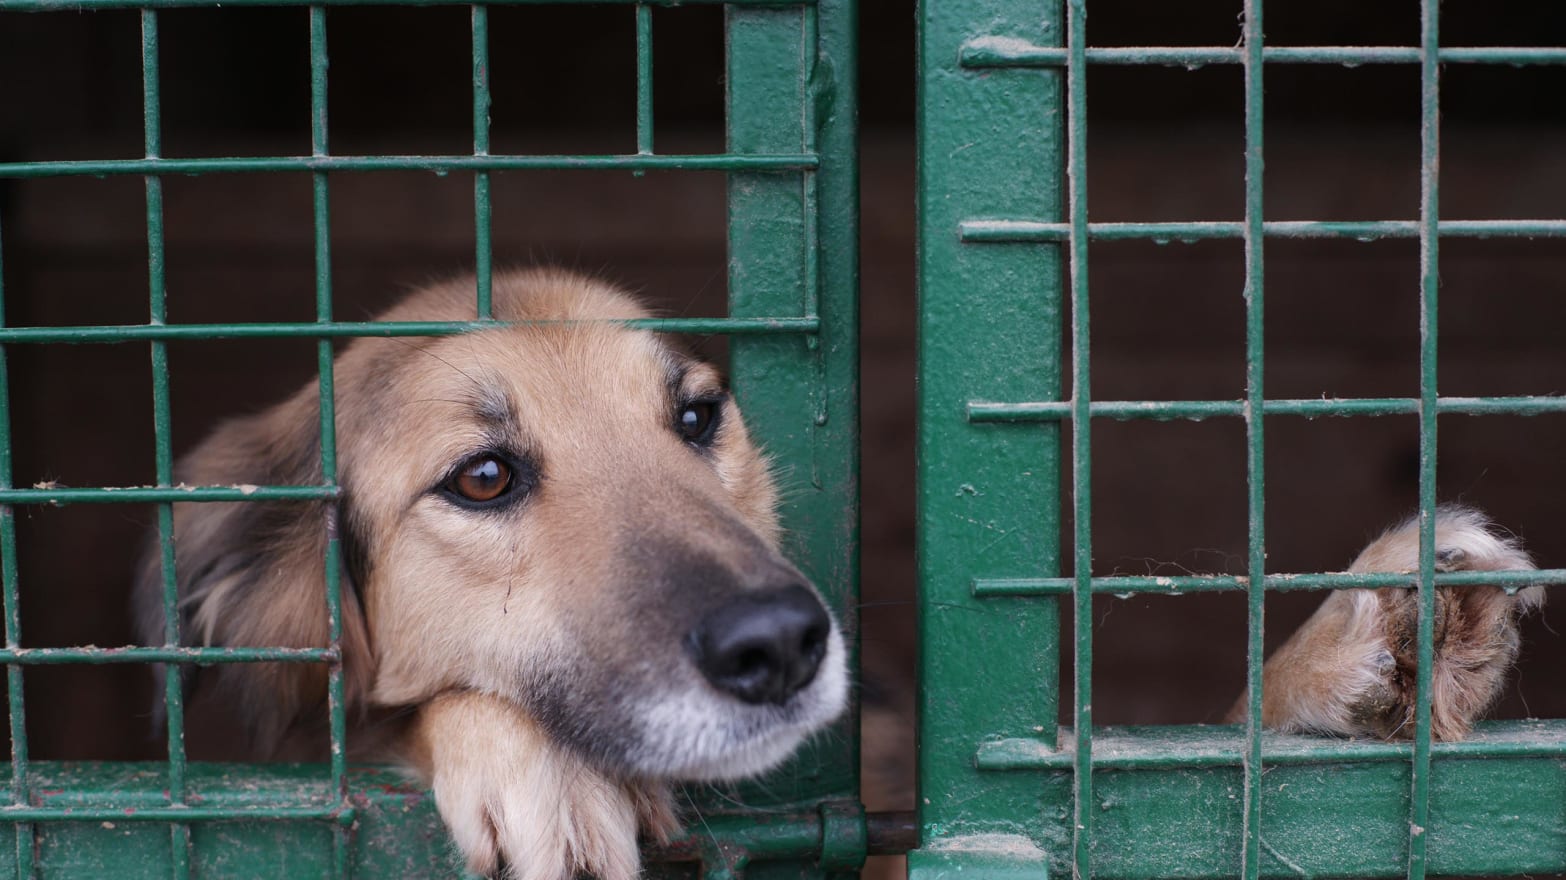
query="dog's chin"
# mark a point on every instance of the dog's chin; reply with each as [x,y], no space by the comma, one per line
[700,735]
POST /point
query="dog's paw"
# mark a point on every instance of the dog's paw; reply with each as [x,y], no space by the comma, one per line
[521,808]
[1351,670]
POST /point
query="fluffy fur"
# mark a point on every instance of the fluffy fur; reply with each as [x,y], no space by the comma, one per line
[530,660]
[1351,669]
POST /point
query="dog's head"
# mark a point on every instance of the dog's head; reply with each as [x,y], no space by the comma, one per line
[568,514]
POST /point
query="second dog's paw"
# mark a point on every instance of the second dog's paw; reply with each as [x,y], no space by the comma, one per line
[521,808]
[1351,670]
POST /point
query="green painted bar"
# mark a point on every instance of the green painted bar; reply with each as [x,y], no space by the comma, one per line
[91,5]
[1255,440]
[1310,408]
[337,722]
[991,53]
[274,821]
[1197,746]
[1170,802]
[135,654]
[438,164]
[1187,232]
[10,592]
[644,80]
[162,421]
[1174,585]
[1082,813]
[991,144]
[156,495]
[798,391]
[483,214]
[1419,801]
[321,329]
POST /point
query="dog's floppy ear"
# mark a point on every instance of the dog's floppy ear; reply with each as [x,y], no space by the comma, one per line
[252,574]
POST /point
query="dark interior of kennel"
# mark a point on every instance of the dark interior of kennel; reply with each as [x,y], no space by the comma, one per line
[1165,144]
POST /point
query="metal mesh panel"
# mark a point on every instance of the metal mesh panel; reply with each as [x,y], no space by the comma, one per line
[793,202]
[1004,233]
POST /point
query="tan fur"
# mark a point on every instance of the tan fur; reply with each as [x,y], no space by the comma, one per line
[535,655]
[1351,669]
[502,787]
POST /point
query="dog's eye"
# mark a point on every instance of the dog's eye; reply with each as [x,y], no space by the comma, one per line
[484,478]
[697,420]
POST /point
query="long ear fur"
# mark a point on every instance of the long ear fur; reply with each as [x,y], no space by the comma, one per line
[252,574]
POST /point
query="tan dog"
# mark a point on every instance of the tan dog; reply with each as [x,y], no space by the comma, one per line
[562,586]
[1351,669]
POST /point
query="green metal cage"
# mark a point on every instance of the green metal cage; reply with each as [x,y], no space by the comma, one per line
[790,164]
[1004,233]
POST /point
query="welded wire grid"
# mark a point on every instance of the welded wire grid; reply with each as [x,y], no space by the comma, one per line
[179,810]
[1253,230]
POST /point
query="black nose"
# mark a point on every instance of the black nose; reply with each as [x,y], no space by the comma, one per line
[762,647]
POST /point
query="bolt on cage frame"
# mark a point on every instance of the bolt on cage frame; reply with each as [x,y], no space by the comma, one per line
[1004,790]
[792,179]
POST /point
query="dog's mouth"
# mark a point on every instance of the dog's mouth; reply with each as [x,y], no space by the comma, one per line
[708,732]
[682,726]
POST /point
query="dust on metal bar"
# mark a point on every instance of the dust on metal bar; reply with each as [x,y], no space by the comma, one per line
[326,405]
[1191,747]
[436,164]
[1429,291]
[1083,806]
[97,656]
[113,333]
[1255,454]
[1002,52]
[162,426]
[1310,407]
[1007,231]
[1126,586]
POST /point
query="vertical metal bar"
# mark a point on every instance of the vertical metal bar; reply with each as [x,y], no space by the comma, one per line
[1429,291]
[10,591]
[1081,439]
[323,313]
[811,428]
[162,419]
[1255,460]
[809,64]
[482,214]
[990,145]
[644,80]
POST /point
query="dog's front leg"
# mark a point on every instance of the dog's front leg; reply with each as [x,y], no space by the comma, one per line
[1351,669]
[523,808]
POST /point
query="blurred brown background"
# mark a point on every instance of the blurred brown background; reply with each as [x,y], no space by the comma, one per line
[1165,144]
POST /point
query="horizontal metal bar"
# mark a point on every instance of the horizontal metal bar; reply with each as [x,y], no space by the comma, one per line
[46,494]
[96,656]
[1126,586]
[82,5]
[1207,746]
[329,329]
[1032,231]
[436,164]
[992,52]
[174,814]
[1310,408]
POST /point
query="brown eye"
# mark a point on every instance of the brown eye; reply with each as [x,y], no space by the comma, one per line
[695,421]
[483,479]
